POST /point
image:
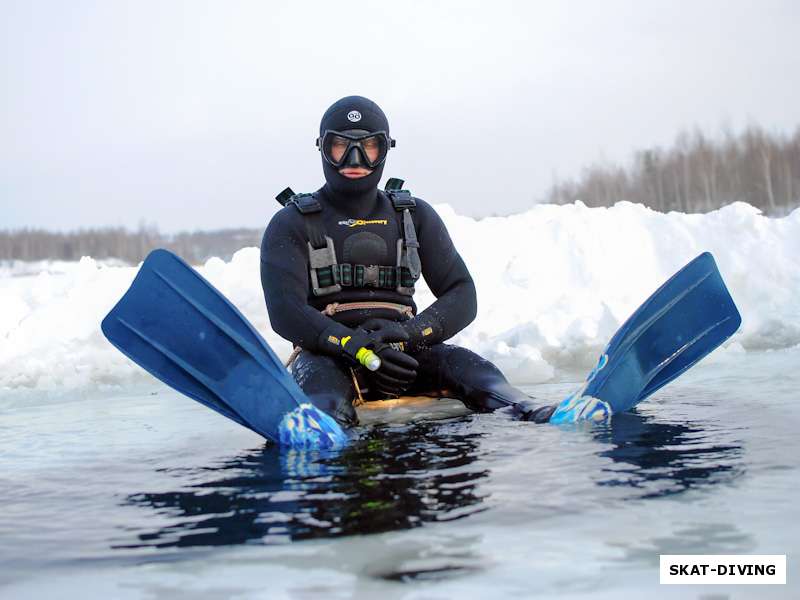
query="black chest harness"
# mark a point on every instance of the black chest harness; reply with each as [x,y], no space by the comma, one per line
[328,275]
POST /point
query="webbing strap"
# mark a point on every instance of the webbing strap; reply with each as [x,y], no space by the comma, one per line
[401,199]
[311,209]
[354,275]
[327,276]
[411,246]
[408,246]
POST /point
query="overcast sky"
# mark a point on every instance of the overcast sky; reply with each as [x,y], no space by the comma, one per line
[195,114]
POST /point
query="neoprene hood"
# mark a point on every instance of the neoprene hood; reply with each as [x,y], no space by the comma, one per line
[349,114]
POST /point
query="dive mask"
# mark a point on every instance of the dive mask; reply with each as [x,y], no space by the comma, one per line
[354,147]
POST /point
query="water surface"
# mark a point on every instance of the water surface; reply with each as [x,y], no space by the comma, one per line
[144,494]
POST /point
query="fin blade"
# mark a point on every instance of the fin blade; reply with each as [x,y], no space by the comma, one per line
[680,323]
[684,320]
[178,327]
[197,386]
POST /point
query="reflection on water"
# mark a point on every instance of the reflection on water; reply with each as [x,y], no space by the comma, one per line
[398,477]
[393,478]
[660,459]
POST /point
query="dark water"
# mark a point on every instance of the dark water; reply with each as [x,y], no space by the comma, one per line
[129,493]
[392,479]
[398,478]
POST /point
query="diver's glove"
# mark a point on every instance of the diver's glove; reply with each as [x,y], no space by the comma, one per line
[392,331]
[393,371]
[397,370]
[420,331]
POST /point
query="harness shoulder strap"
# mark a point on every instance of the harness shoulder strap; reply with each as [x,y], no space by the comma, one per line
[305,203]
[308,206]
[284,197]
[408,246]
[393,183]
[401,200]
[327,276]
[321,252]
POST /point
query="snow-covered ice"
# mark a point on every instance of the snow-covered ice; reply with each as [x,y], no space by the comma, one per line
[554,283]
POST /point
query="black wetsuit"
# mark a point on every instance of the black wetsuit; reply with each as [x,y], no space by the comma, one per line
[365,228]
[295,312]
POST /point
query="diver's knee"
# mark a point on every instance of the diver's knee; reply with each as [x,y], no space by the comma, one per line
[338,406]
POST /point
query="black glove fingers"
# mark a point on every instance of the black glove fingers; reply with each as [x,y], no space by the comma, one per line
[385,330]
[402,376]
[392,335]
[400,359]
[397,372]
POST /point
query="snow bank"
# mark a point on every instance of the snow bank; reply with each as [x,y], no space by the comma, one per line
[554,284]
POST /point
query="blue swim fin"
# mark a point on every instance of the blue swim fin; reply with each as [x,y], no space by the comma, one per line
[177,326]
[685,319]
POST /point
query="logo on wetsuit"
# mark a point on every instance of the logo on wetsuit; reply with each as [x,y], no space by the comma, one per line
[360,222]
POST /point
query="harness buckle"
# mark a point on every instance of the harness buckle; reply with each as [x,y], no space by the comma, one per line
[320,258]
[371,273]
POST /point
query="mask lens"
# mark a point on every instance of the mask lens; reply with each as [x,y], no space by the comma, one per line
[336,147]
[373,148]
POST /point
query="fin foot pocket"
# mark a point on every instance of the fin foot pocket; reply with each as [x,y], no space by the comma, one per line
[308,427]
[680,323]
[581,408]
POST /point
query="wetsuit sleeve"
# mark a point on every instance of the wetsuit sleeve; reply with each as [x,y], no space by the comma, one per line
[284,279]
[448,278]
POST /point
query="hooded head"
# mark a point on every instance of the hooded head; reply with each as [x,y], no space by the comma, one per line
[355,117]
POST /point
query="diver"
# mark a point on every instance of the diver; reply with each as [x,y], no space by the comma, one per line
[338,269]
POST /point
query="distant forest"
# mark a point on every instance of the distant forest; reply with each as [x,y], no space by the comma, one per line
[697,174]
[129,246]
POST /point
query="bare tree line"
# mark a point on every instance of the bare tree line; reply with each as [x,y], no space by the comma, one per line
[698,174]
[119,243]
